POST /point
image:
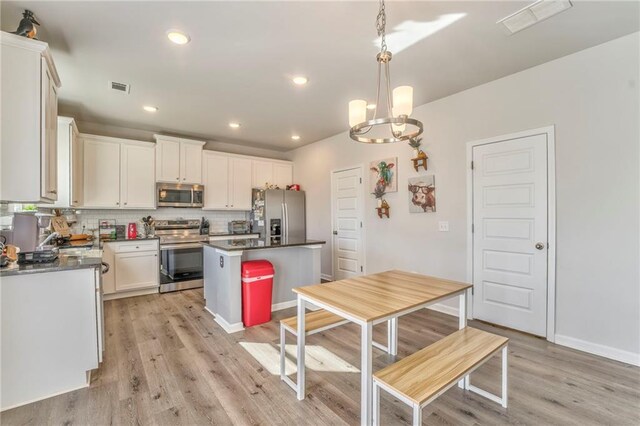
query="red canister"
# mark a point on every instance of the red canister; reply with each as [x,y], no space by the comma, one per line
[132,231]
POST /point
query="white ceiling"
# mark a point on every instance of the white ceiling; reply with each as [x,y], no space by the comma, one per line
[242,55]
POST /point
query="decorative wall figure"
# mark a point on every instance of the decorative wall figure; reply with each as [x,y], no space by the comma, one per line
[382,172]
[27,26]
[422,194]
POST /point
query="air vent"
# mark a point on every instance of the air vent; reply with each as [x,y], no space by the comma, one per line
[119,87]
[532,14]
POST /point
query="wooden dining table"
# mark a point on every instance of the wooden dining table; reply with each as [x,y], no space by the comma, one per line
[368,300]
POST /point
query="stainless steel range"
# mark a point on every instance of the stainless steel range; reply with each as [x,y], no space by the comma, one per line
[180,254]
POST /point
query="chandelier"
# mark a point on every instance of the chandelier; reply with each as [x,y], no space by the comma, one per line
[393,127]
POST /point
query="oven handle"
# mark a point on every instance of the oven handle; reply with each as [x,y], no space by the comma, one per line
[164,247]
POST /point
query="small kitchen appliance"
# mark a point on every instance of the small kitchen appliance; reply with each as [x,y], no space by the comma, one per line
[132,231]
[181,265]
[38,256]
[239,227]
[179,195]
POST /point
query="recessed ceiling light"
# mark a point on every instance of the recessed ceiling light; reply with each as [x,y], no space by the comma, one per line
[234,125]
[300,80]
[150,108]
[295,137]
[178,37]
[371,106]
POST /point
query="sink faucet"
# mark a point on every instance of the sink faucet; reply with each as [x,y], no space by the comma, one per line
[49,238]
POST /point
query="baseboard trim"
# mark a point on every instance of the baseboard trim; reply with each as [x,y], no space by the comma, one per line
[445,309]
[284,305]
[132,293]
[598,349]
[326,277]
[86,385]
[229,328]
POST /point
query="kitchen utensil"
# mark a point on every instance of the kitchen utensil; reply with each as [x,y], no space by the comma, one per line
[132,231]
[12,252]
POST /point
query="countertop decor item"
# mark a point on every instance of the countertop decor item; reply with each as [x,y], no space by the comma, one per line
[393,127]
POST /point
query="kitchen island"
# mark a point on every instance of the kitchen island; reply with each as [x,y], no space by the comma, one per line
[296,263]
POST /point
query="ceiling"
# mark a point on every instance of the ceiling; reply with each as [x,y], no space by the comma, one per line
[242,56]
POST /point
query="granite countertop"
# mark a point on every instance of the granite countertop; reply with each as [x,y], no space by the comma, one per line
[259,243]
[229,234]
[119,240]
[64,262]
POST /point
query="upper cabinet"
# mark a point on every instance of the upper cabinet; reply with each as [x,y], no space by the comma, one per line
[69,166]
[178,160]
[118,173]
[273,172]
[29,122]
[227,181]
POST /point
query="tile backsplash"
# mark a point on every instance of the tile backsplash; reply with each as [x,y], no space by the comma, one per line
[217,219]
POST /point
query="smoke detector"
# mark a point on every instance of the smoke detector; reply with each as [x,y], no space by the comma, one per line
[532,14]
[120,87]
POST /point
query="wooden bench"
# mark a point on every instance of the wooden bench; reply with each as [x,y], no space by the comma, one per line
[314,322]
[423,376]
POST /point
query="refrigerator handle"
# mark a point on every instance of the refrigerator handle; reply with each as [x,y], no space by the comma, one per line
[286,210]
[283,224]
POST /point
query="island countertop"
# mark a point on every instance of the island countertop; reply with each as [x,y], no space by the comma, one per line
[259,243]
[64,262]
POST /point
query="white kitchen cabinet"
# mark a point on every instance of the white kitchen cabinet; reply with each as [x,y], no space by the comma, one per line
[137,183]
[76,170]
[136,270]
[227,181]
[215,176]
[69,165]
[28,142]
[274,172]
[178,160]
[101,173]
[282,174]
[118,173]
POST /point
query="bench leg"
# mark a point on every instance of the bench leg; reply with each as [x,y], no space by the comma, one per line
[417,415]
[301,349]
[376,404]
[283,353]
[392,336]
[504,376]
[462,323]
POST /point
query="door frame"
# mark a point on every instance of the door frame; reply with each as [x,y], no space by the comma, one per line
[362,229]
[549,131]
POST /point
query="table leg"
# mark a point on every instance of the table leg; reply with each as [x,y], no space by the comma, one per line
[462,323]
[300,348]
[366,372]
[392,336]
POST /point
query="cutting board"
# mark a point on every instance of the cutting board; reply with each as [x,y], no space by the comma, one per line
[59,224]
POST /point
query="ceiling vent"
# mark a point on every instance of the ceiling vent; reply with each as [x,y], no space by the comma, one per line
[532,14]
[119,87]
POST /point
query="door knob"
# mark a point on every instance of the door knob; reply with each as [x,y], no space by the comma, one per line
[539,246]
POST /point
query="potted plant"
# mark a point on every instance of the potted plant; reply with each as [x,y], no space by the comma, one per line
[379,192]
[415,144]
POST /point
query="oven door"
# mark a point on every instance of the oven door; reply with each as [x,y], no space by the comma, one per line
[181,263]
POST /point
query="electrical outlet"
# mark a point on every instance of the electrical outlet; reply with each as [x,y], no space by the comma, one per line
[443,226]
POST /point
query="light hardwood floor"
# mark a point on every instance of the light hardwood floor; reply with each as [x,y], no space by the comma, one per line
[168,362]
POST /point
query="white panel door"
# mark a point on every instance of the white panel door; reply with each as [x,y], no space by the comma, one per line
[168,161]
[136,270]
[347,202]
[190,163]
[282,174]
[240,184]
[137,177]
[262,173]
[101,174]
[510,233]
[215,173]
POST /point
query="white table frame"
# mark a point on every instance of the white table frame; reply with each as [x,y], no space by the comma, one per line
[366,367]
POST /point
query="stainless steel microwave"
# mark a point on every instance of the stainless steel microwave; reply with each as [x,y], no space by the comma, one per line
[179,195]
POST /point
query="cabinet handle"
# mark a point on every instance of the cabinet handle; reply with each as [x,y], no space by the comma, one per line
[75,201]
[177,178]
[226,205]
[117,203]
[53,191]
[231,205]
[184,178]
[137,247]
[125,203]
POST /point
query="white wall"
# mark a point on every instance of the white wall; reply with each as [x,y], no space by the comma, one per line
[592,98]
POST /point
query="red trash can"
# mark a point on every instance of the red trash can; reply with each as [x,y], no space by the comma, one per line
[257,284]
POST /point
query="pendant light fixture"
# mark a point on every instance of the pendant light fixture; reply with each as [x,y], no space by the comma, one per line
[399,103]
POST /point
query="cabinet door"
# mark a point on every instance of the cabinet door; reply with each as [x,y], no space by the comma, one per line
[262,173]
[49,150]
[215,175]
[101,174]
[137,178]
[167,161]
[190,163]
[136,270]
[76,171]
[109,279]
[240,184]
[282,174]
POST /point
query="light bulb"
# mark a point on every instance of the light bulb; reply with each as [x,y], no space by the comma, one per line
[402,101]
[357,112]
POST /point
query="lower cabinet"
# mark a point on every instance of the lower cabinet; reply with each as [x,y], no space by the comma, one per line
[134,268]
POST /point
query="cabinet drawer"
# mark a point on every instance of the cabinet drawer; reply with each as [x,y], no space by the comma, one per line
[134,246]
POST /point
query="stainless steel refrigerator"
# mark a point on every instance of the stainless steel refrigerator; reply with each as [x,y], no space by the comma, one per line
[279,215]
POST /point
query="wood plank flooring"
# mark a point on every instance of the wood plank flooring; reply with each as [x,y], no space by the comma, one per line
[168,362]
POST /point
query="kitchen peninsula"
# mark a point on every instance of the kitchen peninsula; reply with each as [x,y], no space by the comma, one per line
[296,263]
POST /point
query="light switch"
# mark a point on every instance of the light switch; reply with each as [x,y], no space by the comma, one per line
[443,226]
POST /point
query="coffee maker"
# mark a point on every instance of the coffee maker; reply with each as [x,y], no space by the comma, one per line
[29,229]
